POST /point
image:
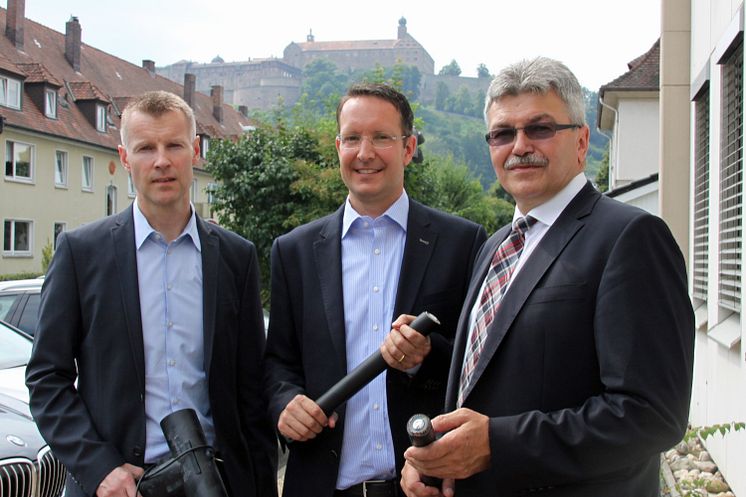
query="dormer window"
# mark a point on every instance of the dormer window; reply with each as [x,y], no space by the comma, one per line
[50,103]
[10,92]
[204,146]
[101,118]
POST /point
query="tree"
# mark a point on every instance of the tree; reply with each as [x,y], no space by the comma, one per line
[602,178]
[451,69]
[322,85]
[441,95]
[257,195]
[482,71]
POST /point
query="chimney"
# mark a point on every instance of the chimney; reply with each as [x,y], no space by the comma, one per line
[190,83]
[244,110]
[72,42]
[217,102]
[149,65]
[14,22]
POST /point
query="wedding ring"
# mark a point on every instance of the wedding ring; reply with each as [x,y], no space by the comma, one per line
[402,357]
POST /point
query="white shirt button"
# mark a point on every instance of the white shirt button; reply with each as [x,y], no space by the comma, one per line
[379,446]
[375,327]
[377,251]
[172,363]
[170,325]
[375,289]
[376,406]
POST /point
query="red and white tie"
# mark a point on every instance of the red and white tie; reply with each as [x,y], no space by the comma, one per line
[502,267]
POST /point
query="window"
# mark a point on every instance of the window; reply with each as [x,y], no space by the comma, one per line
[701,193]
[111,200]
[60,168]
[17,237]
[101,118]
[19,161]
[10,92]
[204,146]
[211,189]
[59,228]
[731,182]
[131,192]
[87,183]
[50,103]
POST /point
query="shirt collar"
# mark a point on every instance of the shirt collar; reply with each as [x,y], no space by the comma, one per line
[397,212]
[143,230]
[548,212]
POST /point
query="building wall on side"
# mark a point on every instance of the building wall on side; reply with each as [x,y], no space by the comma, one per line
[637,141]
[645,197]
[720,361]
[44,203]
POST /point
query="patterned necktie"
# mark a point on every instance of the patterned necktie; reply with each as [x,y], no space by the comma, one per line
[502,267]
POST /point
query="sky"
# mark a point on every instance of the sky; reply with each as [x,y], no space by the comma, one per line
[594,38]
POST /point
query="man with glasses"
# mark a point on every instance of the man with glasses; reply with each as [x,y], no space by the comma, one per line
[337,284]
[572,362]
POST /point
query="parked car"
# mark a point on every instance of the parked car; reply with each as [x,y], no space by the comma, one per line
[27,466]
[19,303]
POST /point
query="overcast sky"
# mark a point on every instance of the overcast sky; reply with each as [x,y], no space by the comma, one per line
[595,38]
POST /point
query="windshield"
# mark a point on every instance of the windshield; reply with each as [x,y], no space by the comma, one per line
[15,349]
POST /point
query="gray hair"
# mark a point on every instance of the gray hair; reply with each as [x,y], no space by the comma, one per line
[539,76]
[157,103]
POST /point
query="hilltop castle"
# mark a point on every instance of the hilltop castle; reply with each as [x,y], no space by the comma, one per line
[260,83]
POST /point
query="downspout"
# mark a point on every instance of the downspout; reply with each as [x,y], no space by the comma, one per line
[610,138]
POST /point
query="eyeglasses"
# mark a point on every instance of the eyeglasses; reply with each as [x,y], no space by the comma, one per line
[537,131]
[378,140]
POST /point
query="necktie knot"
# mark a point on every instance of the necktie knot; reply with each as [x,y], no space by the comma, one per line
[522,224]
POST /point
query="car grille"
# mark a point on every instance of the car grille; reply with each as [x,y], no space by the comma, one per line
[20,477]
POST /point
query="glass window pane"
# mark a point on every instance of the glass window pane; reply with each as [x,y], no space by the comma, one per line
[7,235]
[21,239]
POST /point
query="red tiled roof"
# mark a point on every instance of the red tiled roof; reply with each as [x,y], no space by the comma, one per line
[85,90]
[8,66]
[37,73]
[101,76]
[643,74]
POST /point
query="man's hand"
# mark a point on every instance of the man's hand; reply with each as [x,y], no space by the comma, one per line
[404,347]
[303,419]
[413,487]
[120,482]
[463,451]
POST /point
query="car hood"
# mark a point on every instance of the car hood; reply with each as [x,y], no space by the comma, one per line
[13,383]
[19,436]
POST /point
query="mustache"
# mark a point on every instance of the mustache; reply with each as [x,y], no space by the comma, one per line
[523,160]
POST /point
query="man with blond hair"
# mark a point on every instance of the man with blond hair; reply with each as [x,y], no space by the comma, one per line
[147,312]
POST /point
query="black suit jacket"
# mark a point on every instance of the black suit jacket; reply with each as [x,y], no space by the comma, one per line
[306,342]
[586,372]
[90,317]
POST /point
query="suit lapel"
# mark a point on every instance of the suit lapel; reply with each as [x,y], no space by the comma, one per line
[123,244]
[327,250]
[418,249]
[556,239]
[210,257]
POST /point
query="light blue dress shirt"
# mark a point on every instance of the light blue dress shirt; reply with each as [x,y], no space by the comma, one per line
[372,251]
[170,284]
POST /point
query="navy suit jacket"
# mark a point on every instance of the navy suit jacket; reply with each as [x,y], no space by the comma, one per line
[306,341]
[586,372]
[90,330]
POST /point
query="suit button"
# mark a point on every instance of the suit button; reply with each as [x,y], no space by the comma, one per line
[137,451]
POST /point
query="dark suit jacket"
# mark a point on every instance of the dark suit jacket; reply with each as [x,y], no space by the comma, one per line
[586,372]
[90,315]
[306,342]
